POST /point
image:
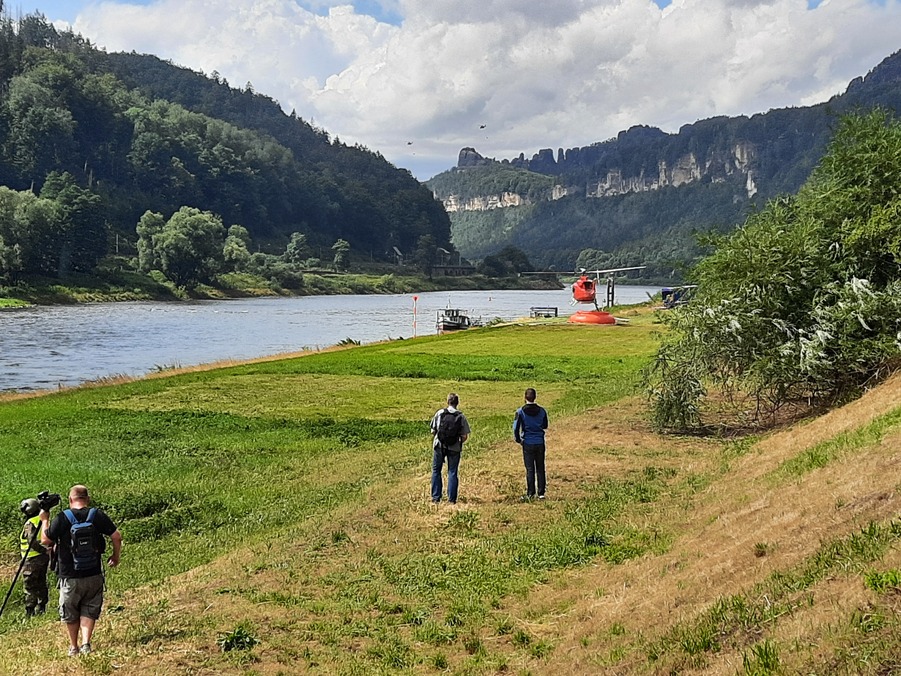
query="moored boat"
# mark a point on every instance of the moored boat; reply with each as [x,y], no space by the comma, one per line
[452,319]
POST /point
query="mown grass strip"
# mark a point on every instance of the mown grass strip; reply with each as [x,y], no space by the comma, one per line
[444,591]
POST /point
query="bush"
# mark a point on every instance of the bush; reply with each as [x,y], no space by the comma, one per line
[802,303]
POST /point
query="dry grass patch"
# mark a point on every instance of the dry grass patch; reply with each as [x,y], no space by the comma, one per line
[734,534]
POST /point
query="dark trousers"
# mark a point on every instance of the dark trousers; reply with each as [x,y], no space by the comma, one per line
[453,462]
[34,580]
[533,458]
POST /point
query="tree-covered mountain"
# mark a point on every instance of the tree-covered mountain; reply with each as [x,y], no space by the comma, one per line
[642,196]
[124,134]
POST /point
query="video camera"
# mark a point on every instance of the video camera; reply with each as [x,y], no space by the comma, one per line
[31,507]
[45,500]
[48,500]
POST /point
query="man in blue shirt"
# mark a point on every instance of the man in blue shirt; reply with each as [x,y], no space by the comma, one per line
[529,425]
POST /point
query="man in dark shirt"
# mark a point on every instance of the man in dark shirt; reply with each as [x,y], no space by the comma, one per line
[80,591]
[529,424]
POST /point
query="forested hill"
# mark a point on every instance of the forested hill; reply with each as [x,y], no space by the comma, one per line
[640,197]
[118,135]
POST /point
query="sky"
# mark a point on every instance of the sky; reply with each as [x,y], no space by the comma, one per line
[417,80]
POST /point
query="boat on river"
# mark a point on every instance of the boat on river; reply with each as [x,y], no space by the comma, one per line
[453,319]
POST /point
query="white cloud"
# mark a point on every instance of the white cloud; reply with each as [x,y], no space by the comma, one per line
[537,74]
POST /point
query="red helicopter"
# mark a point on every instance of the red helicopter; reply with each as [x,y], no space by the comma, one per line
[585,290]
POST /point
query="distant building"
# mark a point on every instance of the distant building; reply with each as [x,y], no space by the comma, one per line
[461,269]
[446,267]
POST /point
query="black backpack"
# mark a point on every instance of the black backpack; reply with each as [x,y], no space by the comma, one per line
[83,542]
[450,428]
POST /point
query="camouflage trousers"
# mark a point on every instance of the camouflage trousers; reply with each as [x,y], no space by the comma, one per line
[34,579]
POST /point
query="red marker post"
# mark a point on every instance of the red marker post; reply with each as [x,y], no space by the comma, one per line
[415,298]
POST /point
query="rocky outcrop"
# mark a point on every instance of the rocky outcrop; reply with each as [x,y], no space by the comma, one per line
[469,158]
[453,203]
[687,168]
[761,155]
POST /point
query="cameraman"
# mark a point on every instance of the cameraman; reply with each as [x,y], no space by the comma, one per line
[37,560]
[80,591]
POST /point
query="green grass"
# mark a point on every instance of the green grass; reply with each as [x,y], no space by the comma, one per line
[295,493]
[191,465]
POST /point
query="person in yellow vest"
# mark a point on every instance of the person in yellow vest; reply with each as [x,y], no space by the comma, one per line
[37,560]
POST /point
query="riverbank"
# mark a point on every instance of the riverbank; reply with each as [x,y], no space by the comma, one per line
[119,285]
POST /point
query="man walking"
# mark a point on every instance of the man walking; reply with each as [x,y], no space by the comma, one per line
[78,533]
[529,424]
[450,429]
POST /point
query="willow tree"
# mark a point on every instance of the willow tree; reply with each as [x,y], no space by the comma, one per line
[803,302]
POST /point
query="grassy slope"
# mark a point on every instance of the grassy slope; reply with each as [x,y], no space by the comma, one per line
[290,498]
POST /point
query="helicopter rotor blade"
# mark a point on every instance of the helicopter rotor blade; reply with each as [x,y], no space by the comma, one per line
[583,271]
[612,270]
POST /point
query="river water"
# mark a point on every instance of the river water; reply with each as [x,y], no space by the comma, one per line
[62,346]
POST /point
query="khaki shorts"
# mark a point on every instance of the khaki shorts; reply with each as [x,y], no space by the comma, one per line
[80,597]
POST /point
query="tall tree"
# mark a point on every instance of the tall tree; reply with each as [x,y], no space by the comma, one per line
[425,254]
[85,233]
[297,251]
[41,128]
[235,256]
[341,260]
[190,246]
[148,227]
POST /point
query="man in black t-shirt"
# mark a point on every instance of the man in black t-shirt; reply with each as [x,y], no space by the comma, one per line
[80,591]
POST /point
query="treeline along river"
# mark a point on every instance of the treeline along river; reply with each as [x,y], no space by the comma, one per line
[62,346]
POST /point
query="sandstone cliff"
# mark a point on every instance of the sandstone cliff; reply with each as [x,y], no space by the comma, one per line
[716,166]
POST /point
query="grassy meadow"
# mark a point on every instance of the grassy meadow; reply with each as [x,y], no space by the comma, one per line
[276,519]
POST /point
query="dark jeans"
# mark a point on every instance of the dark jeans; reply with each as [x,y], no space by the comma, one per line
[533,458]
[453,462]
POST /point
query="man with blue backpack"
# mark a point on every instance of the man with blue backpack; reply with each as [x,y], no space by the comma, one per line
[78,534]
[529,423]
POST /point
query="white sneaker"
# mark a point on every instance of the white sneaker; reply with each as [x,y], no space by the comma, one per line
[73,651]
[86,649]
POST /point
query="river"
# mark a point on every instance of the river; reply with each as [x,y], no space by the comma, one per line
[62,346]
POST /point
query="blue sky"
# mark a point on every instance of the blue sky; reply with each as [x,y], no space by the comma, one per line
[418,80]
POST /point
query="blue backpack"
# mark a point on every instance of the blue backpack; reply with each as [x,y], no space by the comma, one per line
[83,541]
